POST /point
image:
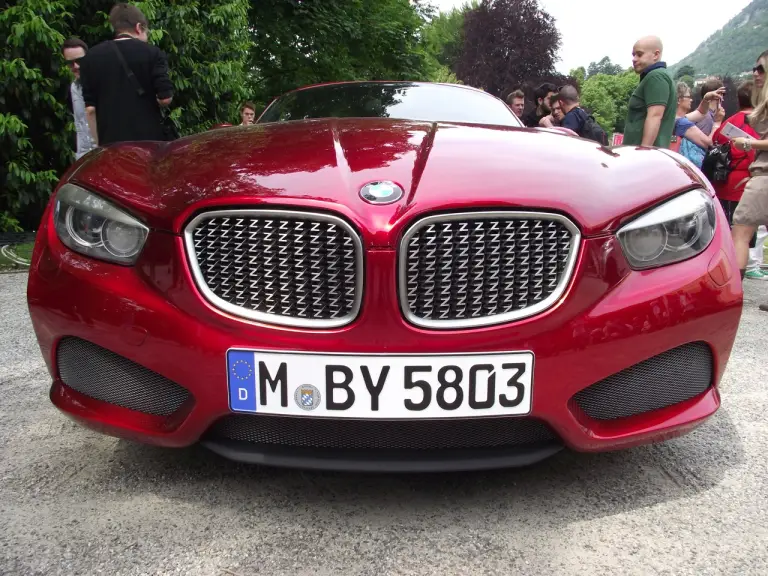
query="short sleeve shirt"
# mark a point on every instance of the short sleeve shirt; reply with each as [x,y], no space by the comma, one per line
[682,125]
[656,88]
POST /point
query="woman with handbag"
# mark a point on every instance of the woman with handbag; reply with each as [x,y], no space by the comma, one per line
[729,184]
[752,210]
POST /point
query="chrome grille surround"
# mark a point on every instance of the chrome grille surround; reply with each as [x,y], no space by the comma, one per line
[478,273]
[303,269]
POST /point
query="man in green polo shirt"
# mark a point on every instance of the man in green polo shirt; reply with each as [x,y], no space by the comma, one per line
[652,107]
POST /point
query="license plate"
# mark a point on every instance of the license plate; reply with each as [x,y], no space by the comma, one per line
[380,386]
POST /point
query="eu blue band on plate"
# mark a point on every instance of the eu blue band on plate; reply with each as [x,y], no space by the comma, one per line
[241,376]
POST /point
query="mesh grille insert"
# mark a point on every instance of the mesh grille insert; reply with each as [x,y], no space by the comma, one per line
[310,432]
[669,378]
[461,268]
[106,376]
[284,265]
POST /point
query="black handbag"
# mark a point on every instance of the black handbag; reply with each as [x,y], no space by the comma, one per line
[170,132]
[717,163]
[167,125]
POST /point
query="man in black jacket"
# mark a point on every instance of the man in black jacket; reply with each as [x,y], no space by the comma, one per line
[125,82]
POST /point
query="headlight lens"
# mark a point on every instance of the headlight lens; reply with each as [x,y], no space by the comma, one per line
[88,224]
[675,231]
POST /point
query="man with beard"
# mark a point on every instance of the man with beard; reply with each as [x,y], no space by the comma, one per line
[542,95]
[555,117]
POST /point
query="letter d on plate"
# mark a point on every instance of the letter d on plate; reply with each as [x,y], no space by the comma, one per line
[241,375]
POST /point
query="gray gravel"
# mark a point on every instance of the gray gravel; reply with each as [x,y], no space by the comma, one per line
[75,502]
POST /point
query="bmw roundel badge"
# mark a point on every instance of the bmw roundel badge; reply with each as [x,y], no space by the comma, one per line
[384,192]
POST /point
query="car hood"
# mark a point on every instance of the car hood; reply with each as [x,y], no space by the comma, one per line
[322,164]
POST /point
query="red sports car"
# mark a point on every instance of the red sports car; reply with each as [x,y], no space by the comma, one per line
[385,276]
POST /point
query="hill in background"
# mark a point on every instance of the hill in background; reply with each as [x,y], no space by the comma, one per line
[734,48]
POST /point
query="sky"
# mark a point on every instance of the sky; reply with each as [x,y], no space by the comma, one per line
[592,29]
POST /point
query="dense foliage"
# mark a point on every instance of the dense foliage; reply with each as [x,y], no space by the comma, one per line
[505,43]
[34,126]
[220,52]
[733,49]
[685,71]
[443,42]
[605,66]
[297,43]
[207,46]
[607,97]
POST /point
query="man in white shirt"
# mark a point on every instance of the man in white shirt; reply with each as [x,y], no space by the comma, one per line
[73,50]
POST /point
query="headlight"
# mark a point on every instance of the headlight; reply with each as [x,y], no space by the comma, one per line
[675,231]
[88,224]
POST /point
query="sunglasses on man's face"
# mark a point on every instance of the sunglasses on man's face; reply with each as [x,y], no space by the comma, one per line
[759,69]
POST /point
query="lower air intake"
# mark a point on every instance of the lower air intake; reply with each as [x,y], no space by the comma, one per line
[106,376]
[382,434]
[664,380]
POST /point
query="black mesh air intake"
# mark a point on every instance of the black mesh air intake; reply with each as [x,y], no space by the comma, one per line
[669,378]
[106,376]
[308,432]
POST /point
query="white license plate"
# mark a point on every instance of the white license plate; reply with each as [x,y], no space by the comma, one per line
[380,386]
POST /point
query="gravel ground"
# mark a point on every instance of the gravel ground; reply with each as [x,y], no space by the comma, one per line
[74,502]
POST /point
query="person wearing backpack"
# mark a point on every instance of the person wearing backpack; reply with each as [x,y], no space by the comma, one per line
[577,119]
[126,84]
[729,180]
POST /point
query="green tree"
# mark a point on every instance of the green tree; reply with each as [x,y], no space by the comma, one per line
[580,74]
[207,45]
[506,43]
[299,43]
[685,71]
[605,66]
[688,80]
[608,96]
[596,96]
[34,127]
[443,39]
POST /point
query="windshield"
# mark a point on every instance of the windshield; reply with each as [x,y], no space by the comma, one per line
[401,100]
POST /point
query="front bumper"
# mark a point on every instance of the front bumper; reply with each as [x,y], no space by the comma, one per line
[609,319]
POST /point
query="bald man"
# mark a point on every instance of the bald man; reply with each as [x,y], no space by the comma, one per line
[652,107]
